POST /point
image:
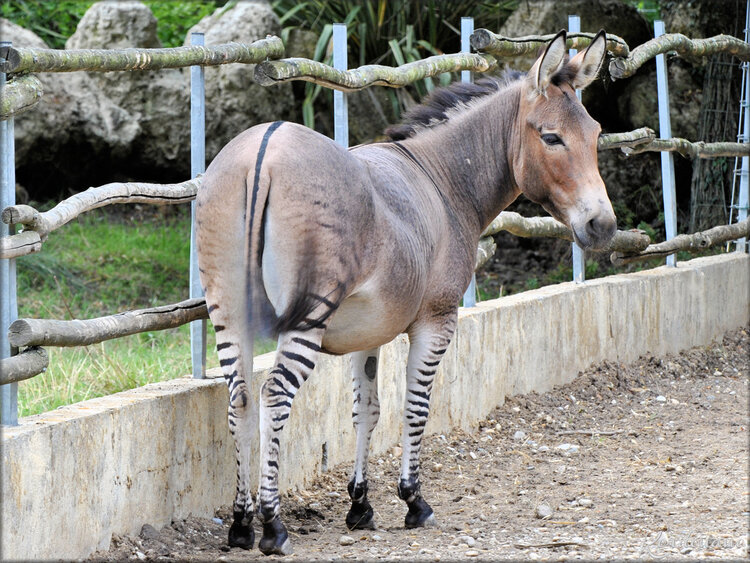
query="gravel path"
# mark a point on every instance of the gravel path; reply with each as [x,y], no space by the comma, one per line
[647,460]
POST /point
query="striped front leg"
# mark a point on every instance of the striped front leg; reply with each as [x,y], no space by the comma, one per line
[365,414]
[427,346]
[295,360]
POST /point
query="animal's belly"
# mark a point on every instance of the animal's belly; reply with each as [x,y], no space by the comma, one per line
[364,321]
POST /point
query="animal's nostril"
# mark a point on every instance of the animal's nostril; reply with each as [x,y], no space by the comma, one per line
[592,227]
[598,228]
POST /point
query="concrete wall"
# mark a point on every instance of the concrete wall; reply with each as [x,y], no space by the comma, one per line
[74,476]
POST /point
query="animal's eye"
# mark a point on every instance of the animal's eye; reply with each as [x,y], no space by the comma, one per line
[551,139]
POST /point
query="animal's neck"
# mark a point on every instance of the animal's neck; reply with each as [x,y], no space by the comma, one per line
[469,158]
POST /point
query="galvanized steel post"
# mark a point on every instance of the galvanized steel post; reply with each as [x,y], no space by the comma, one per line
[197,166]
[579,256]
[744,197]
[340,108]
[467,28]
[667,159]
[8,303]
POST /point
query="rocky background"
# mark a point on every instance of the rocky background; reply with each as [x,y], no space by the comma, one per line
[94,128]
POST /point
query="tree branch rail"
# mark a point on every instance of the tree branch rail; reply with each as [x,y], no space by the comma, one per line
[24,59]
[486,41]
[694,242]
[42,224]
[690,49]
[19,95]
[48,332]
[24,365]
[274,72]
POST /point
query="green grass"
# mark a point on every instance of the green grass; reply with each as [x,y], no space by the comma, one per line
[102,264]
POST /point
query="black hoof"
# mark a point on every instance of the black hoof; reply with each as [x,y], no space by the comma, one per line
[241,535]
[420,514]
[275,540]
[360,517]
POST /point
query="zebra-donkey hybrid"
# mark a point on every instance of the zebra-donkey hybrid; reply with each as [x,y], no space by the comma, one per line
[342,250]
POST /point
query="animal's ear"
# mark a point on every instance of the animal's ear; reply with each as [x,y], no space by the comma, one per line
[585,65]
[546,65]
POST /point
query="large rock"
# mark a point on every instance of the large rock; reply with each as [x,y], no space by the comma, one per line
[157,101]
[550,16]
[703,18]
[73,117]
[638,103]
[93,128]
[370,112]
[234,101]
[115,25]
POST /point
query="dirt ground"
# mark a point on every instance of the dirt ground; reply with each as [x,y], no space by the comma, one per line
[648,460]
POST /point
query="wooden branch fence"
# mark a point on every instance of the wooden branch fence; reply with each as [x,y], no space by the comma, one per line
[488,42]
[691,49]
[20,59]
[24,90]
[273,72]
[20,95]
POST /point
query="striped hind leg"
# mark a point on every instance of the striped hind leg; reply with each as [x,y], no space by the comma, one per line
[242,416]
[296,355]
[365,414]
[426,349]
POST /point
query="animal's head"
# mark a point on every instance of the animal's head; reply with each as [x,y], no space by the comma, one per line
[555,161]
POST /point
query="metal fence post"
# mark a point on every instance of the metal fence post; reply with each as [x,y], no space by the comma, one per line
[8,303]
[467,28]
[579,256]
[340,108]
[667,159]
[744,196]
[197,166]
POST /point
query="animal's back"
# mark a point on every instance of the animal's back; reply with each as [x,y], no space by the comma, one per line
[324,226]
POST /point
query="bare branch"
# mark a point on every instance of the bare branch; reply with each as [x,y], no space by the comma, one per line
[699,149]
[20,95]
[20,244]
[692,243]
[24,365]
[273,72]
[117,192]
[684,46]
[47,332]
[644,139]
[488,42]
[103,60]
[634,138]
[485,251]
[624,241]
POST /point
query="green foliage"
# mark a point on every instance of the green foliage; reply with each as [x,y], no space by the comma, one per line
[176,18]
[99,265]
[649,9]
[52,20]
[55,21]
[390,33]
[648,229]
[373,24]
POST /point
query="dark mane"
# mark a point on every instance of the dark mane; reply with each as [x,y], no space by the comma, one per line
[434,108]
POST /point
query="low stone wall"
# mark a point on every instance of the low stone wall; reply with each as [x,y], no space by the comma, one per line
[74,476]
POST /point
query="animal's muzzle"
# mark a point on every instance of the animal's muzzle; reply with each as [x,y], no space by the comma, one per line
[595,231]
